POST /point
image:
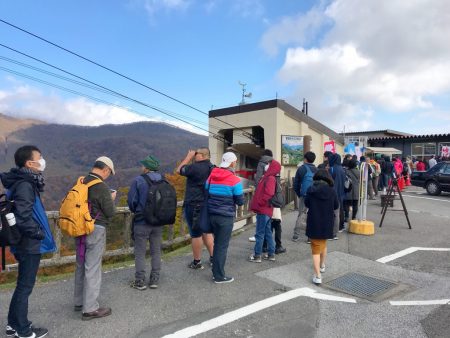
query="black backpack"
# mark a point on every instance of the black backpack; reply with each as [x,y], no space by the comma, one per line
[277,201]
[161,205]
[9,235]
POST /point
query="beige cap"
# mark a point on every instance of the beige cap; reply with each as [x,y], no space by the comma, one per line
[108,162]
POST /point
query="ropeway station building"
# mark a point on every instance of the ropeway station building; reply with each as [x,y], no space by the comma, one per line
[248,129]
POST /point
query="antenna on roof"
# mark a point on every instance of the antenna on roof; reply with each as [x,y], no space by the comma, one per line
[305,107]
[249,95]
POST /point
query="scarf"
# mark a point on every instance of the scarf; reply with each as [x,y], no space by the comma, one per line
[37,177]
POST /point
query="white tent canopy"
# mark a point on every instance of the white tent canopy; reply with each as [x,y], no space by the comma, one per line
[383,150]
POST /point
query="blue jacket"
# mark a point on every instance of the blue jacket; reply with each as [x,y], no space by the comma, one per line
[137,196]
[224,189]
[29,212]
[301,172]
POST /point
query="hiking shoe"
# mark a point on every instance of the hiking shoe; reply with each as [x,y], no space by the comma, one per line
[280,250]
[308,241]
[138,284]
[77,308]
[224,280]
[99,313]
[153,283]
[268,257]
[317,280]
[10,332]
[322,269]
[36,332]
[254,259]
[196,265]
[252,239]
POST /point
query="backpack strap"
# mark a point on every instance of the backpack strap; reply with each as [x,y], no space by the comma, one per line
[91,183]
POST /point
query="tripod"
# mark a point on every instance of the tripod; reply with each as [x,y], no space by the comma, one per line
[390,194]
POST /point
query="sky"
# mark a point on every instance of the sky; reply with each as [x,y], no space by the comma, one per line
[361,65]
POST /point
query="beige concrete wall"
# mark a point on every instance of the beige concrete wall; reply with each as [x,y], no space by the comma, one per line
[275,123]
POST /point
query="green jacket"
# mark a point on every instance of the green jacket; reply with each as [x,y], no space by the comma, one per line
[101,204]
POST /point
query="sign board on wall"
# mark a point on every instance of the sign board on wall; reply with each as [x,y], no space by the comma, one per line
[291,149]
[329,146]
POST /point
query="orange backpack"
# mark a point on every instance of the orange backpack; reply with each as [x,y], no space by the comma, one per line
[74,214]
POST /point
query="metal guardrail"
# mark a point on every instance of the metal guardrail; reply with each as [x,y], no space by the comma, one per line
[176,233]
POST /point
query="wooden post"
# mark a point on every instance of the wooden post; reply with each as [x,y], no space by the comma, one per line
[58,239]
[128,218]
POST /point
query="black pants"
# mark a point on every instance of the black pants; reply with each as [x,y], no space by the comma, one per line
[347,204]
[276,227]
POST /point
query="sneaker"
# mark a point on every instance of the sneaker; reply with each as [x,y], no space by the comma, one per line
[138,284]
[196,265]
[36,332]
[335,238]
[280,250]
[252,239]
[254,259]
[153,282]
[308,241]
[322,269]
[10,332]
[317,280]
[268,257]
[77,308]
[341,230]
[224,280]
[99,313]
[295,239]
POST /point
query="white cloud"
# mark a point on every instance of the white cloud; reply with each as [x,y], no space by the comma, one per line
[350,59]
[24,101]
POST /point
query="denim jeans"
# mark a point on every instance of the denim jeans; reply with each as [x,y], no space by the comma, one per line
[222,227]
[18,308]
[264,232]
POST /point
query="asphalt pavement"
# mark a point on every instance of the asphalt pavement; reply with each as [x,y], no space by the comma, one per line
[188,302]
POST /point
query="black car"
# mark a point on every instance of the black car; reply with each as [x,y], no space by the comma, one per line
[435,180]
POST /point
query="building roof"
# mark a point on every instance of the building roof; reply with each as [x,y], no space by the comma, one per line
[385,131]
[384,150]
[409,137]
[291,111]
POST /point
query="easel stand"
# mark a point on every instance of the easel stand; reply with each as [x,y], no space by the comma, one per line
[390,194]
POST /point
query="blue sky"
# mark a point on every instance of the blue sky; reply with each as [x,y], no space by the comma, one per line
[378,66]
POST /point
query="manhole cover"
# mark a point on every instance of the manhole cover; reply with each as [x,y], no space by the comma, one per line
[361,286]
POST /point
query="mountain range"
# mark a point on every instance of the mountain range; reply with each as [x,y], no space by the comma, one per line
[71,150]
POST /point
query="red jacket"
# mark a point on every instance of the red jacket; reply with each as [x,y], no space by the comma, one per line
[265,190]
[420,166]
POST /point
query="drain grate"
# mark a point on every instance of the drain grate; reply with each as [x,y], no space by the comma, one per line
[361,286]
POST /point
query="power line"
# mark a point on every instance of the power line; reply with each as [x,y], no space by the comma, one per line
[95,86]
[244,133]
[104,101]
[104,89]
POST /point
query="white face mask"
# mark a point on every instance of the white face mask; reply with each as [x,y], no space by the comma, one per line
[42,164]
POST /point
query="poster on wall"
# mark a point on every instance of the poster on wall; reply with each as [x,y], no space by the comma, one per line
[291,149]
[329,146]
[445,150]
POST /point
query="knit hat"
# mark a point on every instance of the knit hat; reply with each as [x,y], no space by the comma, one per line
[151,163]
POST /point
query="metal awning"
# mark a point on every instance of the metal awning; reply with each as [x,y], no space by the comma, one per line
[383,150]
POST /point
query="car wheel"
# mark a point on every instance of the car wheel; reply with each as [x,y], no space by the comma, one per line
[433,188]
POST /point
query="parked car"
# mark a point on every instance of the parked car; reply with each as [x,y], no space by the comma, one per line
[435,180]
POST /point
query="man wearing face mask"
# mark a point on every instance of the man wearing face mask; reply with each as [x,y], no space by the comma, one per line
[25,183]
[90,248]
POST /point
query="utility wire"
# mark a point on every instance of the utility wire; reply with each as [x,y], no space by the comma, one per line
[104,89]
[102,101]
[244,133]
[94,85]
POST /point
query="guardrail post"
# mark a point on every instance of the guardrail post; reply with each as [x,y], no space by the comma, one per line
[128,218]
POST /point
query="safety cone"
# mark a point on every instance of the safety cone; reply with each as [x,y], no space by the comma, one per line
[408,181]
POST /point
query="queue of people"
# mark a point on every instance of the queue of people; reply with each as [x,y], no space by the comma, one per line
[211,197]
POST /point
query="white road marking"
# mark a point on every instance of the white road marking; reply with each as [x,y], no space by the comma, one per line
[420,302]
[408,251]
[250,309]
[428,198]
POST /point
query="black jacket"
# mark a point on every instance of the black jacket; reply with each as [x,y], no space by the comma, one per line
[196,174]
[24,190]
[321,201]
[99,197]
